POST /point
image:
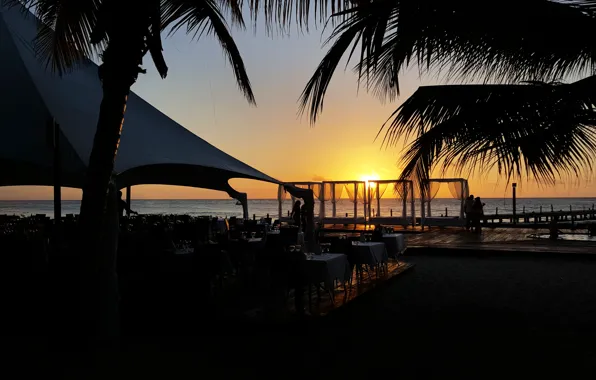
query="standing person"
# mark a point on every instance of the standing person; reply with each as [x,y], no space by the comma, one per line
[123,206]
[295,215]
[468,209]
[478,212]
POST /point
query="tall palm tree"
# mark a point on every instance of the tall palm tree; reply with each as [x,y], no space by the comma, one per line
[505,42]
[121,33]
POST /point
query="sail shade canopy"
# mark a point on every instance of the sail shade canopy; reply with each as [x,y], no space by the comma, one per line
[154,149]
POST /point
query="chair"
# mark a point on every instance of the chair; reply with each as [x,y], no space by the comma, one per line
[288,235]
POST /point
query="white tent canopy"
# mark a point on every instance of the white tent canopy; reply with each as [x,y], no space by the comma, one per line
[154,149]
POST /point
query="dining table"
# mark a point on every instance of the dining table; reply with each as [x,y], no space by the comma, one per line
[395,244]
[370,253]
[326,268]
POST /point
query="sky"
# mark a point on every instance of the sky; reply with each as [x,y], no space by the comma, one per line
[201,94]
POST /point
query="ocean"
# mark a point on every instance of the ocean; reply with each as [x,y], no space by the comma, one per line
[262,207]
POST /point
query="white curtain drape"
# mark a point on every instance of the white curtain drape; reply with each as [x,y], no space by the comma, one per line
[456,189]
[401,190]
[316,189]
[417,192]
[372,189]
[349,188]
[361,193]
[433,189]
[339,191]
[327,187]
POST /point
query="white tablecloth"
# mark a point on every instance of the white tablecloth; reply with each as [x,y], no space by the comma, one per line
[394,243]
[370,253]
[184,251]
[326,268]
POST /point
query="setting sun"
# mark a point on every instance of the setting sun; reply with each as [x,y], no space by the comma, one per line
[370,178]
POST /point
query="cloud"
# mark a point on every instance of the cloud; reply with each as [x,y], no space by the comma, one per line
[318,178]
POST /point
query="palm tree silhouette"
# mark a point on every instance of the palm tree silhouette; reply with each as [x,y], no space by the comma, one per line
[543,130]
[505,43]
[121,33]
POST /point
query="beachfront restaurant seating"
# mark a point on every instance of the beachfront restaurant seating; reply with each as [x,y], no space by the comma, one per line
[459,189]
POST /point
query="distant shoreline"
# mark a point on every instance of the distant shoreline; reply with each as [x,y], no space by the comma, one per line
[255,199]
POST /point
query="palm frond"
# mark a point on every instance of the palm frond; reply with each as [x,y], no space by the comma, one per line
[234,8]
[204,17]
[541,40]
[349,34]
[282,14]
[64,34]
[542,130]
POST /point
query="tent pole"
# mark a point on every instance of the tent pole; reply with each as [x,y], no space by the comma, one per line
[322,202]
[279,202]
[404,206]
[356,200]
[462,201]
[379,200]
[333,200]
[368,198]
[422,198]
[128,200]
[57,184]
[413,206]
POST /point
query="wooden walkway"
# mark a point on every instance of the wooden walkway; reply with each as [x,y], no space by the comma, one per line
[499,239]
[328,228]
[319,303]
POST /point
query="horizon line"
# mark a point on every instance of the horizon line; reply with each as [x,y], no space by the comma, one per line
[267,199]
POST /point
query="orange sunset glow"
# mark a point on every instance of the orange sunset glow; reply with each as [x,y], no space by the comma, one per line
[200,93]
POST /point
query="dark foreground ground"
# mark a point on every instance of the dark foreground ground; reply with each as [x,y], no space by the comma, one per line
[486,317]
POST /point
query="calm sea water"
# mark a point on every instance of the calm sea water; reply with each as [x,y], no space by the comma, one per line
[227,208]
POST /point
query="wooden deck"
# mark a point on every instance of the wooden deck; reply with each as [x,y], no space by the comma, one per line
[501,239]
[369,227]
[319,303]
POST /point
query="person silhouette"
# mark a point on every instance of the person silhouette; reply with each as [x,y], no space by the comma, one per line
[296,214]
[123,206]
[478,212]
[469,210]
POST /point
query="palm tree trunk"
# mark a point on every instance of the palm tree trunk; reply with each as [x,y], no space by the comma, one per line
[98,280]
[98,272]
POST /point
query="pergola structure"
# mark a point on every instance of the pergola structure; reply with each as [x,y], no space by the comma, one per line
[402,190]
[357,193]
[459,189]
[48,122]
